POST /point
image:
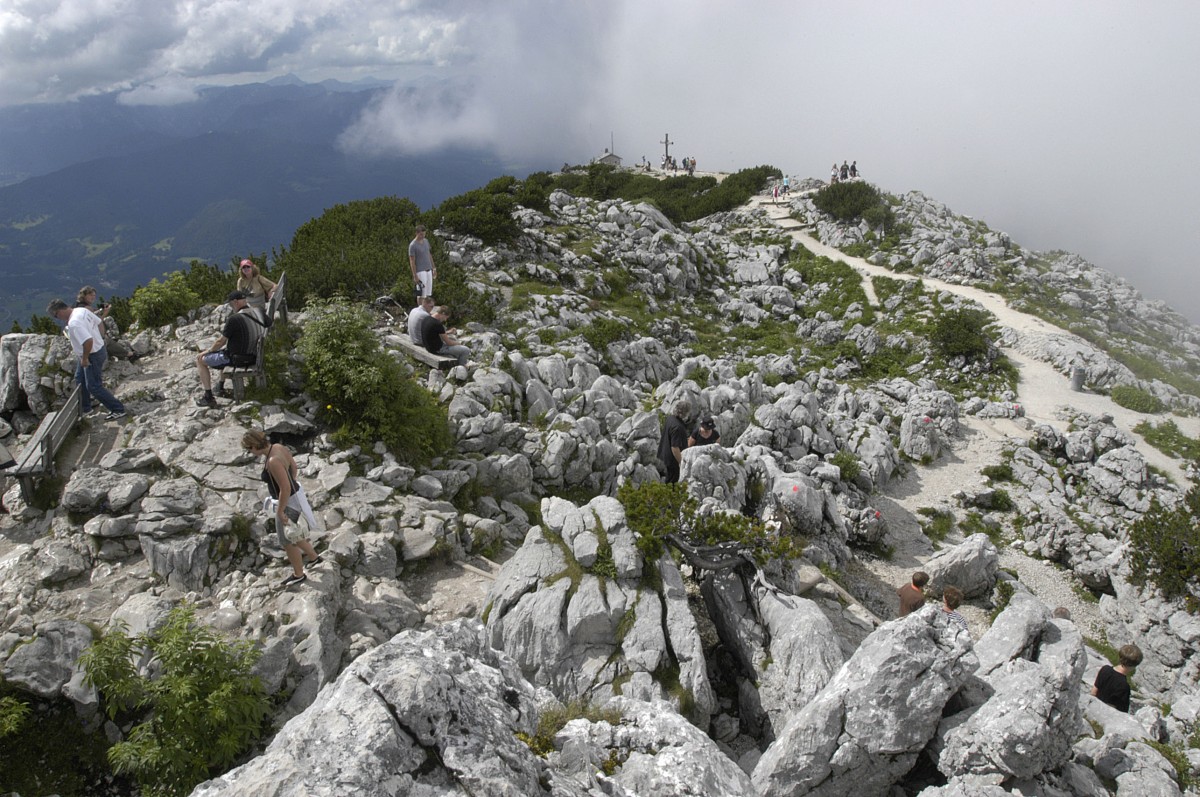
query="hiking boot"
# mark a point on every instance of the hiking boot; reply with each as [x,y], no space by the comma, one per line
[207,401]
[219,392]
[294,579]
[115,415]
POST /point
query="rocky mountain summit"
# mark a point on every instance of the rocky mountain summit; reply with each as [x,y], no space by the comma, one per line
[461,606]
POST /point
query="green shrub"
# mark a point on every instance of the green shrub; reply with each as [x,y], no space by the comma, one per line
[1165,548]
[160,303]
[13,714]
[47,751]
[681,198]
[485,214]
[856,200]
[1168,438]
[1002,501]
[939,523]
[998,473]
[604,331]
[655,510]
[211,283]
[848,463]
[1136,399]
[203,710]
[359,249]
[363,392]
[961,333]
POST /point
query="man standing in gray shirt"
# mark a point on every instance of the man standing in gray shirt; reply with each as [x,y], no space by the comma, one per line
[421,263]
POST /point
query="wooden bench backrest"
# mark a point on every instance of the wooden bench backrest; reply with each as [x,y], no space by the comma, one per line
[278,303]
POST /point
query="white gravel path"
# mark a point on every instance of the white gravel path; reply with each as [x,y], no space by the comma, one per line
[1043,392]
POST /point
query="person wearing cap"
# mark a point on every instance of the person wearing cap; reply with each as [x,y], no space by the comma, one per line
[258,289]
[706,433]
[237,346]
[87,343]
[421,262]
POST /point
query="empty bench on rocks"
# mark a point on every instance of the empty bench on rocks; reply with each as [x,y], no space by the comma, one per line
[237,375]
[37,458]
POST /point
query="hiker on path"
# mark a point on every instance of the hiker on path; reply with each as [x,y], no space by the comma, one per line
[845,171]
[912,595]
[279,472]
[87,344]
[854,169]
[421,262]
[833,174]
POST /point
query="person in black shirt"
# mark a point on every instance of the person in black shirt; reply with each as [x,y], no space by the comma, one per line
[237,345]
[1112,683]
[706,433]
[437,340]
[674,440]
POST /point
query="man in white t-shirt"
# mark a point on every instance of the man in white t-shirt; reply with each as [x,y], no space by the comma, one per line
[87,343]
[416,316]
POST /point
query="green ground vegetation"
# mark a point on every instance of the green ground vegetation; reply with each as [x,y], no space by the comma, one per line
[1169,439]
[192,721]
[363,393]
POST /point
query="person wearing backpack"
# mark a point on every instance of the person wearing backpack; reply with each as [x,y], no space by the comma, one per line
[237,346]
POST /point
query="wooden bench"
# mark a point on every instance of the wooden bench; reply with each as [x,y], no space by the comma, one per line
[37,458]
[438,361]
[257,372]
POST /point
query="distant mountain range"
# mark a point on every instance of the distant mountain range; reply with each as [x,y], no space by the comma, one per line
[97,192]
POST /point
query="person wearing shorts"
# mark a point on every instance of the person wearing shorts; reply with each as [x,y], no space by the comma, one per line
[237,346]
[279,474]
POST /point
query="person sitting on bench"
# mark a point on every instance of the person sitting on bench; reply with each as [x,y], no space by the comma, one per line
[237,346]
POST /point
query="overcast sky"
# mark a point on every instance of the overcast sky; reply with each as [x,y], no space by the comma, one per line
[1070,125]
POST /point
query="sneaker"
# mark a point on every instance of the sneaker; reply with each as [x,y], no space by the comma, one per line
[115,416]
[206,401]
[294,579]
[314,562]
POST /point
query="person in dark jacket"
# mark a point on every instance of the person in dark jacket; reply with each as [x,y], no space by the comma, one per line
[674,440]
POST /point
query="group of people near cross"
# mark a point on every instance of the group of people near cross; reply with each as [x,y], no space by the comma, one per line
[669,163]
[1111,684]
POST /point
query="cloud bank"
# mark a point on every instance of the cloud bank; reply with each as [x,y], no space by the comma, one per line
[1069,125]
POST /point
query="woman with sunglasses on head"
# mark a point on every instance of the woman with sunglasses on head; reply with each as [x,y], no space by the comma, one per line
[258,289]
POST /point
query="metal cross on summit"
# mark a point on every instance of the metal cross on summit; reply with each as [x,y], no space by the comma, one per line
[666,142]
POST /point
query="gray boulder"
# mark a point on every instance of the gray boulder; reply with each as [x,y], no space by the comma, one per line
[1030,722]
[862,733]
[95,489]
[660,753]
[971,566]
[431,712]
[47,665]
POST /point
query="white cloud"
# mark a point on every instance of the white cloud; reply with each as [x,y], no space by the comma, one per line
[1068,124]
